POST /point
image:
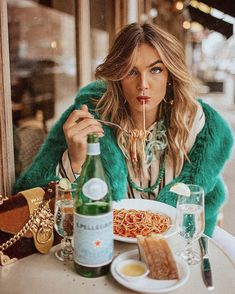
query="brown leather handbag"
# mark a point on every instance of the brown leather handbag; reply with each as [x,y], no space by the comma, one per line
[27,223]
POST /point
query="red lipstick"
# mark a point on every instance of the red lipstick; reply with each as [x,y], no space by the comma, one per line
[143,99]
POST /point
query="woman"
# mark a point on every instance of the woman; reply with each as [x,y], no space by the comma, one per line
[142,85]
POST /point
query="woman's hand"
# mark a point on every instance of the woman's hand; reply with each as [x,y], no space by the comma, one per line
[78,125]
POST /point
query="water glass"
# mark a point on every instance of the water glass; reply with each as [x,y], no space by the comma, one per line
[63,220]
[190,221]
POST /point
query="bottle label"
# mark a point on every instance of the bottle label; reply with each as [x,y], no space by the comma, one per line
[93,148]
[93,239]
[95,189]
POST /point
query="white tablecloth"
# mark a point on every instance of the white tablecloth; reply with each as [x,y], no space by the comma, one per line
[44,274]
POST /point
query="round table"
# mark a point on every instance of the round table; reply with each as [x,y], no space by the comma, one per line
[42,274]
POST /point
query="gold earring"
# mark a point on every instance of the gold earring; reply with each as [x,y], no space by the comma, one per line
[168,90]
[168,102]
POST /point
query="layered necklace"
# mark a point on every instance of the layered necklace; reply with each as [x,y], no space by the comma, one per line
[156,184]
[150,145]
[156,145]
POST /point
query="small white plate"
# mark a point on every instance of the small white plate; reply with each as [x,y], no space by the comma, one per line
[148,205]
[147,285]
[127,262]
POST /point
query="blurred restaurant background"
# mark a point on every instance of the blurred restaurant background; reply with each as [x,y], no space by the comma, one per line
[50,48]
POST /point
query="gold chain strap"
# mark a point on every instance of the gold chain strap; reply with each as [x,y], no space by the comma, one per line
[40,222]
[3,198]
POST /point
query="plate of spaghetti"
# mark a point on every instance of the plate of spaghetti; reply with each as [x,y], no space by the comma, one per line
[132,217]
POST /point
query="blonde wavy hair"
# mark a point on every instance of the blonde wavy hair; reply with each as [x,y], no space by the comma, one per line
[118,64]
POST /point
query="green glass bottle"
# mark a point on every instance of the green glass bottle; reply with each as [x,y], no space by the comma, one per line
[93,217]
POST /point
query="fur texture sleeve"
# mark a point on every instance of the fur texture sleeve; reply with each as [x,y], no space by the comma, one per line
[43,167]
[208,155]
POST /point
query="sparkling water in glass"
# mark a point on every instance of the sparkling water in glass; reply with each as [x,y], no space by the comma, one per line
[63,220]
[190,221]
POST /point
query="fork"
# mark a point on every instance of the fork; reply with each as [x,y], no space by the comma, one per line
[112,124]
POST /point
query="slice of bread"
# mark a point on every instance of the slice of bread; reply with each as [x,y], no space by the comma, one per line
[156,253]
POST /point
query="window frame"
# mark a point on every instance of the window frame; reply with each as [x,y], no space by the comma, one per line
[7,166]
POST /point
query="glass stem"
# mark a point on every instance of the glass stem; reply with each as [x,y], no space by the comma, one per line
[188,247]
[68,249]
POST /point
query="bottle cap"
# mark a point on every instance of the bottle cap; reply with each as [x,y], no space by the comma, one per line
[93,138]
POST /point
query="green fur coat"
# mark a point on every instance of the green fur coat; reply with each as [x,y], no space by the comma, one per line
[207,158]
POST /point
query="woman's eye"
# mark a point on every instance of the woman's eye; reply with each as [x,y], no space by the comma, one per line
[156,70]
[132,73]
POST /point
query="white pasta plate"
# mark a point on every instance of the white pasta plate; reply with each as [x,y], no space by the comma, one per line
[146,284]
[147,205]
